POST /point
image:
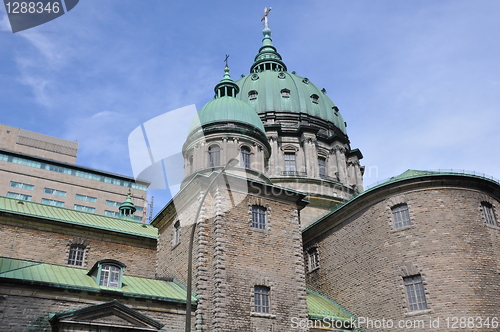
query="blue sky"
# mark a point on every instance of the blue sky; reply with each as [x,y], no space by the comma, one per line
[418,82]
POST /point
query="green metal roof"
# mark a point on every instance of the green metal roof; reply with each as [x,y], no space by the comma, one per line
[69,216]
[408,174]
[74,278]
[320,306]
[227,109]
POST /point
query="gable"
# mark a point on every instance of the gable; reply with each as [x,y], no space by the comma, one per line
[113,316]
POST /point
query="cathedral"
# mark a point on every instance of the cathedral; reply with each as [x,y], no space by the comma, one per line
[272,230]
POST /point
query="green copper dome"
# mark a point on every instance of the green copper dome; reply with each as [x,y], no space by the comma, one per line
[270,88]
[226,108]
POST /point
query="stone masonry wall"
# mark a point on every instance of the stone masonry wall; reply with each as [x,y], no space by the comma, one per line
[363,259]
[52,247]
[28,309]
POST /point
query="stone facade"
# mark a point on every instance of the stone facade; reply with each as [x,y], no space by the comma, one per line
[231,257]
[47,241]
[364,257]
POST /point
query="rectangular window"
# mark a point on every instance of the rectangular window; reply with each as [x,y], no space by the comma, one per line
[84,208]
[401,216]
[258,217]
[76,255]
[290,165]
[110,276]
[261,299]
[86,198]
[415,292]
[322,167]
[313,259]
[111,213]
[52,202]
[21,185]
[489,216]
[19,196]
[112,203]
[54,192]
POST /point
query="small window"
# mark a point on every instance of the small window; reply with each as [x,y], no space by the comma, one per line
[52,202]
[315,98]
[285,93]
[261,299]
[84,208]
[86,198]
[322,167]
[313,259]
[401,216]
[252,95]
[21,185]
[110,276]
[54,192]
[245,156]
[258,217]
[19,196]
[76,255]
[177,232]
[214,155]
[415,292]
[489,215]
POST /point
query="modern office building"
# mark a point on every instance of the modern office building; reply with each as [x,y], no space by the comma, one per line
[40,168]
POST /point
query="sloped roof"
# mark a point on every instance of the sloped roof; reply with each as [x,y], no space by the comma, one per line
[320,306]
[65,277]
[69,216]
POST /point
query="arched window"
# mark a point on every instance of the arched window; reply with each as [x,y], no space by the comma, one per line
[245,156]
[261,299]
[110,276]
[213,155]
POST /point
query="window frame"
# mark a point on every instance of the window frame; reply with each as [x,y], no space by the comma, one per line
[322,167]
[214,155]
[252,95]
[52,202]
[312,259]
[21,185]
[109,272]
[259,217]
[489,213]
[290,163]
[401,215]
[262,299]
[177,233]
[246,156]
[415,293]
[76,255]
[20,197]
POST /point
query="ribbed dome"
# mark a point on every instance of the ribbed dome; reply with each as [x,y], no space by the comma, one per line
[271,91]
[227,109]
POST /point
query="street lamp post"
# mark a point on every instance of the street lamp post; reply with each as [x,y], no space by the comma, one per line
[231,163]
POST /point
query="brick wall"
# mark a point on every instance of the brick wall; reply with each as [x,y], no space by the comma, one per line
[231,257]
[30,241]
